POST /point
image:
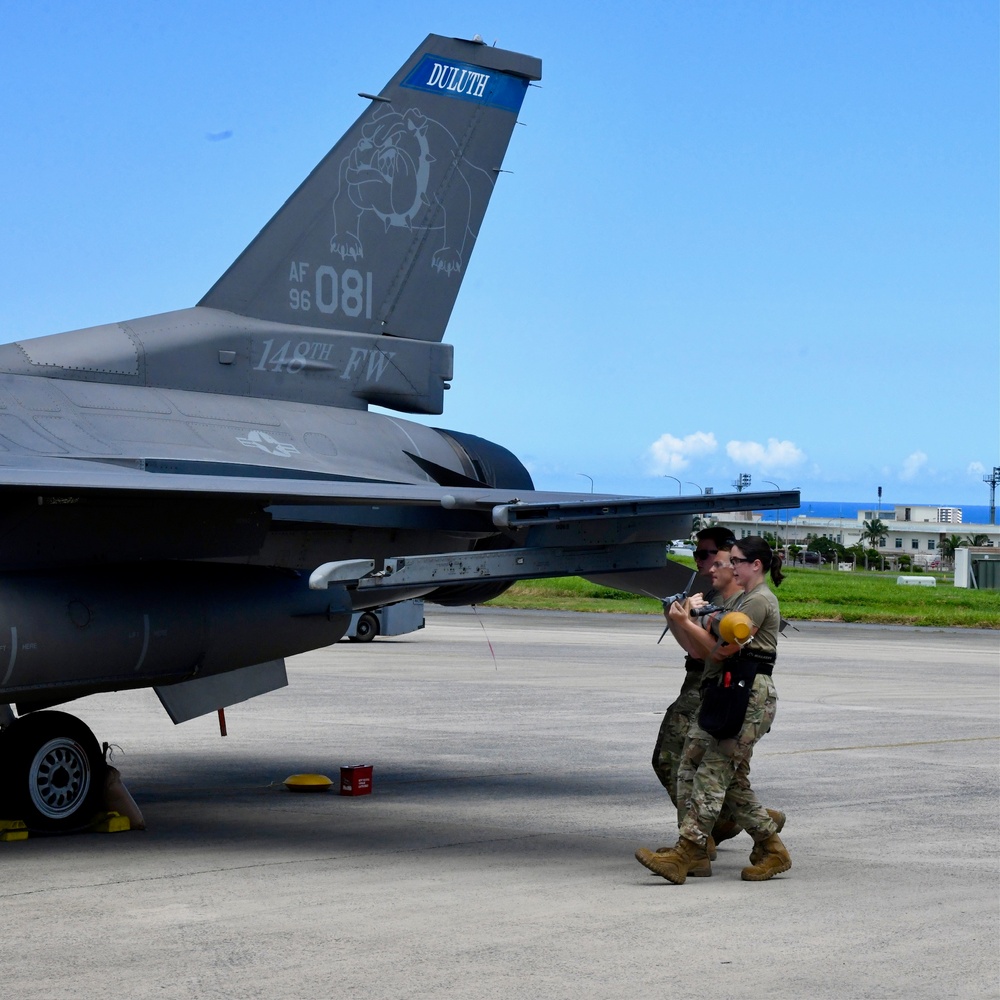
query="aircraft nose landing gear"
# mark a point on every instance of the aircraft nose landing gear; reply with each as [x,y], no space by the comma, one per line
[54,772]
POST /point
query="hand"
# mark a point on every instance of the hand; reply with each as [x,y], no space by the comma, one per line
[679,610]
[696,601]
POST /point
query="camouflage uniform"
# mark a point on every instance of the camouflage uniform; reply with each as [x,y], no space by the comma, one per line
[680,716]
[713,776]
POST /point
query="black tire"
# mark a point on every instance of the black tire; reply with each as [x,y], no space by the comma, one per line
[367,628]
[55,772]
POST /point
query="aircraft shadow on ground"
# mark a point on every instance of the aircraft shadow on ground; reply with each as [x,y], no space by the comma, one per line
[414,809]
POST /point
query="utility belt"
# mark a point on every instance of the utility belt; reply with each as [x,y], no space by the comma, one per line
[762,660]
[724,699]
[745,665]
[691,665]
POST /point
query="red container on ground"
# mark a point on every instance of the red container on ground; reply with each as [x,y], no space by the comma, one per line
[356,779]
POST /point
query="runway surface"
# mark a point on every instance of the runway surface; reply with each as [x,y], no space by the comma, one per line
[511,787]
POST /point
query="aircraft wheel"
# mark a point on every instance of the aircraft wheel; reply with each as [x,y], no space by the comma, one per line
[367,628]
[55,772]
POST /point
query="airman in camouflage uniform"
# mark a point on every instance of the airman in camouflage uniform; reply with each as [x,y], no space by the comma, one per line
[715,773]
[683,712]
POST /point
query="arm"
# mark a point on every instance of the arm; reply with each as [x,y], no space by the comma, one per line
[695,600]
[684,641]
[698,640]
[695,639]
[725,649]
[758,609]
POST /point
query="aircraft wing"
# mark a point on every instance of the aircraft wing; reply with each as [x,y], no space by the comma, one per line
[522,532]
[508,508]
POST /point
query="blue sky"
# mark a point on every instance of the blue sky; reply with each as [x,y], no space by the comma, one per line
[737,237]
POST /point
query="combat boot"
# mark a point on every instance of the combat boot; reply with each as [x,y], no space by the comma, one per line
[709,847]
[772,860]
[683,859]
[725,829]
[779,823]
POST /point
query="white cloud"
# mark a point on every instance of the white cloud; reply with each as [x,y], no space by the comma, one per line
[774,455]
[976,469]
[913,464]
[671,454]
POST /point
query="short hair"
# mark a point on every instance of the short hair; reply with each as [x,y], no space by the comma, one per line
[722,537]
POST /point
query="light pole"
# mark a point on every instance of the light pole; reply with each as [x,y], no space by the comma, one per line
[677,481]
[699,520]
[992,480]
[591,478]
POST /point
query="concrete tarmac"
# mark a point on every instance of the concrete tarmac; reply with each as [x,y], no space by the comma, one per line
[511,787]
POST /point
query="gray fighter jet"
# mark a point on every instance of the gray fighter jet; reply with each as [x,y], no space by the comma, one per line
[186,499]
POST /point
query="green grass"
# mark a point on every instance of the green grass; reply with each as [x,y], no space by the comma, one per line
[805,595]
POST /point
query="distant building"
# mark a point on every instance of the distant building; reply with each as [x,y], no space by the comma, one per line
[945,515]
[916,531]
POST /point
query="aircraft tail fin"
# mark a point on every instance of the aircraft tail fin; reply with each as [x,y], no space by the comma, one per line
[377,238]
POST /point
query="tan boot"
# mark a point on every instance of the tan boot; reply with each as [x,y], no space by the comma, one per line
[779,822]
[772,860]
[709,847]
[725,830]
[683,859]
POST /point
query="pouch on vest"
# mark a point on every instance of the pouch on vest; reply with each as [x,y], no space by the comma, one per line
[724,704]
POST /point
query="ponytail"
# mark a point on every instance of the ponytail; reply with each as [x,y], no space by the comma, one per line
[776,575]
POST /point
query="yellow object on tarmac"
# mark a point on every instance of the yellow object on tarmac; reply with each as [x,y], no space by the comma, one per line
[13,829]
[735,627]
[308,783]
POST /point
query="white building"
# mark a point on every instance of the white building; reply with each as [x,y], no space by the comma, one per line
[916,531]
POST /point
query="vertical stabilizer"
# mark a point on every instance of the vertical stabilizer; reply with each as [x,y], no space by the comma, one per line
[378,237]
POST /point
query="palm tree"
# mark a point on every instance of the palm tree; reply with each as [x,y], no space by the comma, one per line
[949,545]
[875,532]
[976,540]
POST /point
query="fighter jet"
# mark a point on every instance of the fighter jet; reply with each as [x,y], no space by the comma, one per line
[186,499]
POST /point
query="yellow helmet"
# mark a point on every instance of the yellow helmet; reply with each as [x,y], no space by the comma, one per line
[735,627]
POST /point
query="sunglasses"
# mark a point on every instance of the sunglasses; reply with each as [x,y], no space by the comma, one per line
[705,553]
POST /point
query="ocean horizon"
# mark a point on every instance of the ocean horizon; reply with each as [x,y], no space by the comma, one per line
[848,510]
